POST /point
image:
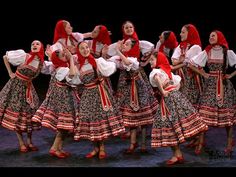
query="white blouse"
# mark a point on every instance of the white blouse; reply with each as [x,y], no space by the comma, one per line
[164,78]
[99,45]
[145,46]
[112,49]
[216,54]
[119,64]
[106,68]
[56,46]
[78,36]
[18,57]
[190,53]
[59,44]
[62,73]
[48,68]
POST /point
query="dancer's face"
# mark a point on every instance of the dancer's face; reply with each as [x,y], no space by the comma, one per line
[213,38]
[35,46]
[184,34]
[95,32]
[68,28]
[127,45]
[153,61]
[84,49]
[128,28]
[161,37]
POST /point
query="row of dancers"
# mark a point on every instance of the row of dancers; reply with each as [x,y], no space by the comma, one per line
[187,90]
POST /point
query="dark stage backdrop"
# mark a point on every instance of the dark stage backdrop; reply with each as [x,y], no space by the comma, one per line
[22,24]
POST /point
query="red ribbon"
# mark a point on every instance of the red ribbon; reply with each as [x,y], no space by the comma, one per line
[106,103]
[219,86]
[29,94]
[164,109]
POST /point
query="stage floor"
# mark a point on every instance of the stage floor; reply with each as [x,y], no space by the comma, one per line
[213,156]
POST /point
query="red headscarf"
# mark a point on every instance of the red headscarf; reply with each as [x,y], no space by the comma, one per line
[57,62]
[102,37]
[82,59]
[170,42]
[40,54]
[193,37]
[135,50]
[220,41]
[163,63]
[60,32]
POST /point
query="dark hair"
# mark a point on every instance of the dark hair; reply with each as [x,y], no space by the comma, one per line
[57,52]
[154,53]
[225,63]
[80,43]
[133,42]
[170,55]
[127,21]
[187,26]
[166,34]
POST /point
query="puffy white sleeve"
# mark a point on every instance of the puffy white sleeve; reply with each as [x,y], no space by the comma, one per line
[75,80]
[106,68]
[193,51]
[133,66]
[56,46]
[16,57]
[199,60]
[75,58]
[63,73]
[78,36]
[48,68]
[116,59]
[231,58]
[112,49]
[146,46]
[163,78]
[176,53]
[158,45]
[99,47]
[162,75]
[176,79]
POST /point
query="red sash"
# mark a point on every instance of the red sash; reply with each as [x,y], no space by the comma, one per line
[29,94]
[106,103]
[164,109]
[219,86]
